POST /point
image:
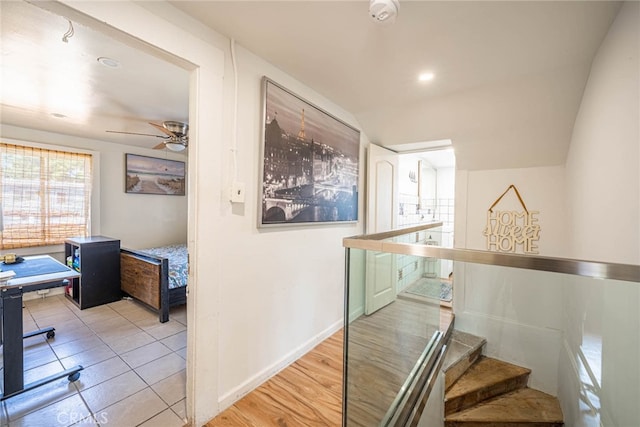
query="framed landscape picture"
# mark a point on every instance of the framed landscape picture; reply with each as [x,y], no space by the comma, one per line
[150,175]
[309,162]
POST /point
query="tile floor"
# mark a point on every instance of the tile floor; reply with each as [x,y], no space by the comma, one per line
[134,367]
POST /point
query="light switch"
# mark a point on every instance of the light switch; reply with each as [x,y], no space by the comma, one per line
[237,192]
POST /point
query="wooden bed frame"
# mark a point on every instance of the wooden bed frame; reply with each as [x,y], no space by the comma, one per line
[146,278]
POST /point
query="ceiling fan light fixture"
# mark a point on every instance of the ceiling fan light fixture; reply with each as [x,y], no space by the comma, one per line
[175,146]
[178,128]
[175,136]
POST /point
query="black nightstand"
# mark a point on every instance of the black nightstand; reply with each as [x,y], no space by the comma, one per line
[97,259]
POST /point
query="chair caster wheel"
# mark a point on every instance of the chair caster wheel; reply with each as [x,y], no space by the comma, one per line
[74,377]
[51,334]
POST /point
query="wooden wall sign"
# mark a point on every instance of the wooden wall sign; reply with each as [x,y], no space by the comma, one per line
[512,231]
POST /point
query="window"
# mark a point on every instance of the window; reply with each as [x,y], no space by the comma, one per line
[45,196]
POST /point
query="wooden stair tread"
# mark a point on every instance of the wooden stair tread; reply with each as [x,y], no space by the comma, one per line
[463,351]
[527,406]
[460,346]
[483,374]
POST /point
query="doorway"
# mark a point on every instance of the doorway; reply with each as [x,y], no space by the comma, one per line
[408,186]
[426,195]
[137,220]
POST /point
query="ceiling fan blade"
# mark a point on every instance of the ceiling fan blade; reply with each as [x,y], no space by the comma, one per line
[162,129]
[160,146]
[135,133]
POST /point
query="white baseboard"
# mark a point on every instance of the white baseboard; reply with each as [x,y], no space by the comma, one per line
[254,382]
[356,314]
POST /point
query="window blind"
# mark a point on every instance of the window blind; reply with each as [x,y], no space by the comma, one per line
[45,195]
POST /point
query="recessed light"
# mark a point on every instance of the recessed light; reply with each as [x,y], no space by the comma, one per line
[109,62]
[425,77]
[59,115]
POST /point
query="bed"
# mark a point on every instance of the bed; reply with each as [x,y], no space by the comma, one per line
[157,277]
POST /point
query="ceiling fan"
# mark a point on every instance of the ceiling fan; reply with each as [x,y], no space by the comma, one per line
[176,135]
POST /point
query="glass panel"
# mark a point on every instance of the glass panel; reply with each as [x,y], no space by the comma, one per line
[384,347]
[578,334]
[425,276]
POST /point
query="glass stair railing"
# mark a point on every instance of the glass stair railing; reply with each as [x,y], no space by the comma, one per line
[575,323]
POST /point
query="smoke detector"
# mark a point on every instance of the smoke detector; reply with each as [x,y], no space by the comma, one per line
[384,11]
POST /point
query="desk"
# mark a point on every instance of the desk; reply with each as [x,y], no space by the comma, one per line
[33,274]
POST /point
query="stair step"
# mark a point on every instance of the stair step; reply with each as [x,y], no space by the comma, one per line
[520,408]
[485,379]
[462,352]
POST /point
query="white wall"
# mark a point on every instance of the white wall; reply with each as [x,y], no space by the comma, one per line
[258,298]
[281,288]
[589,209]
[603,201]
[446,183]
[603,173]
[517,311]
[138,220]
[542,189]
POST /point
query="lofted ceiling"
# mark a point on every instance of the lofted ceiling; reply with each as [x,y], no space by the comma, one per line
[509,76]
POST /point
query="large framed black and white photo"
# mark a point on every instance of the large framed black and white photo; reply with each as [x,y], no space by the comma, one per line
[309,161]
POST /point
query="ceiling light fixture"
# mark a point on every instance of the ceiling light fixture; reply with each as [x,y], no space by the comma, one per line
[384,11]
[175,146]
[425,77]
[109,62]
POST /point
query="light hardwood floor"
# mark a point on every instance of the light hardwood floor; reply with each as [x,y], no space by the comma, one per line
[307,393]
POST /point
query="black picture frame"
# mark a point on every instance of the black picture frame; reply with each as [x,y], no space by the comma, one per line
[152,175]
[310,162]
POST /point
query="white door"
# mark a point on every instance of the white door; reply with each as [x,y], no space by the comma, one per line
[382,214]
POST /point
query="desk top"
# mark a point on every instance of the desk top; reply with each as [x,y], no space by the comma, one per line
[48,269]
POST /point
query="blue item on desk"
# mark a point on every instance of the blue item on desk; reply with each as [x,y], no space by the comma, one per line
[36,266]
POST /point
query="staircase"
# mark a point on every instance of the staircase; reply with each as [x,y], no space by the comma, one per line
[482,391]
